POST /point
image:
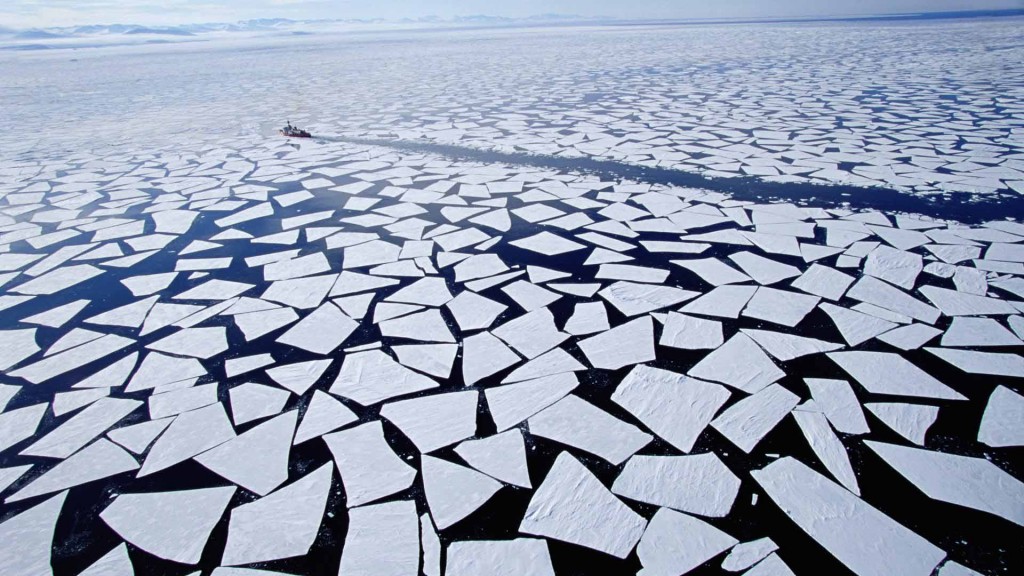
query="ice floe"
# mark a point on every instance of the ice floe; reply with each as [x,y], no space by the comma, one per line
[573,506]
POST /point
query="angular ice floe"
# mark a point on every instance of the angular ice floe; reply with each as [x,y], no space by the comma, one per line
[353,282]
[369,254]
[856,327]
[971,281]
[956,303]
[873,291]
[529,296]
[968,332]
[573,506]
[28,538]
[548,244]
[691,333]
[991,363]
[764,271]
[745,555]
[298,377]
[578,423]
[675,407]
[479,266]
[427,291]
[387,310]
[531,334]
[59,316]
[519,557]
[740,363]
[836,399]
[426,326]
[137,437]
[884,373]
[823,281]
[434,359]
[746,422]
[629,343]
[242,364]
[554,361]
[250,402]
[17,425]
[101,459]
[972,482]
[722,302]
[633,299]
[323,414]
[865,540]
[169,525]
[502,456]
[484,355]
[454,492]
[67,402]
[57,280]
[189,434]
[323,330]
[301,293]
[281,525]
[382,540]
[675,544]
[826,446]
[214,290]
[540,274]
[780,306]
[895,266]
[788,346]
[510,404]
[127,316]
[82,428]
[371,376]
[194,342]
[699,484]
[587,318]
[909,420]
[369,469]
[258,459]
[432,422]
[910,337]
[472,311]
[713,271]
[68,360]
[1002,424]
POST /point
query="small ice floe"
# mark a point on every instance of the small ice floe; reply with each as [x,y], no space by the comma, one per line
[573,506]
[369,468]
[170,525]
[283,524]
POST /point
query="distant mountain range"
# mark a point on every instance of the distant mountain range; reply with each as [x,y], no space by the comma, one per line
[274,25]
[107,34]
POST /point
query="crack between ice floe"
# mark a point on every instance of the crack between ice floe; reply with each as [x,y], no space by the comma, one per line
[959,207]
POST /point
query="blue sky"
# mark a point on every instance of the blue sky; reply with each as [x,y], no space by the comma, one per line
[43,13]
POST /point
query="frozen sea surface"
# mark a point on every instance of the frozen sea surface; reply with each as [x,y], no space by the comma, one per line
[658,300]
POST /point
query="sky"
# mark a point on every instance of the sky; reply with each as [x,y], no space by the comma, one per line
[21,14]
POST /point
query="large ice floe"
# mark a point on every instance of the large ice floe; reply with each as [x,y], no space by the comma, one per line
[251,357]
